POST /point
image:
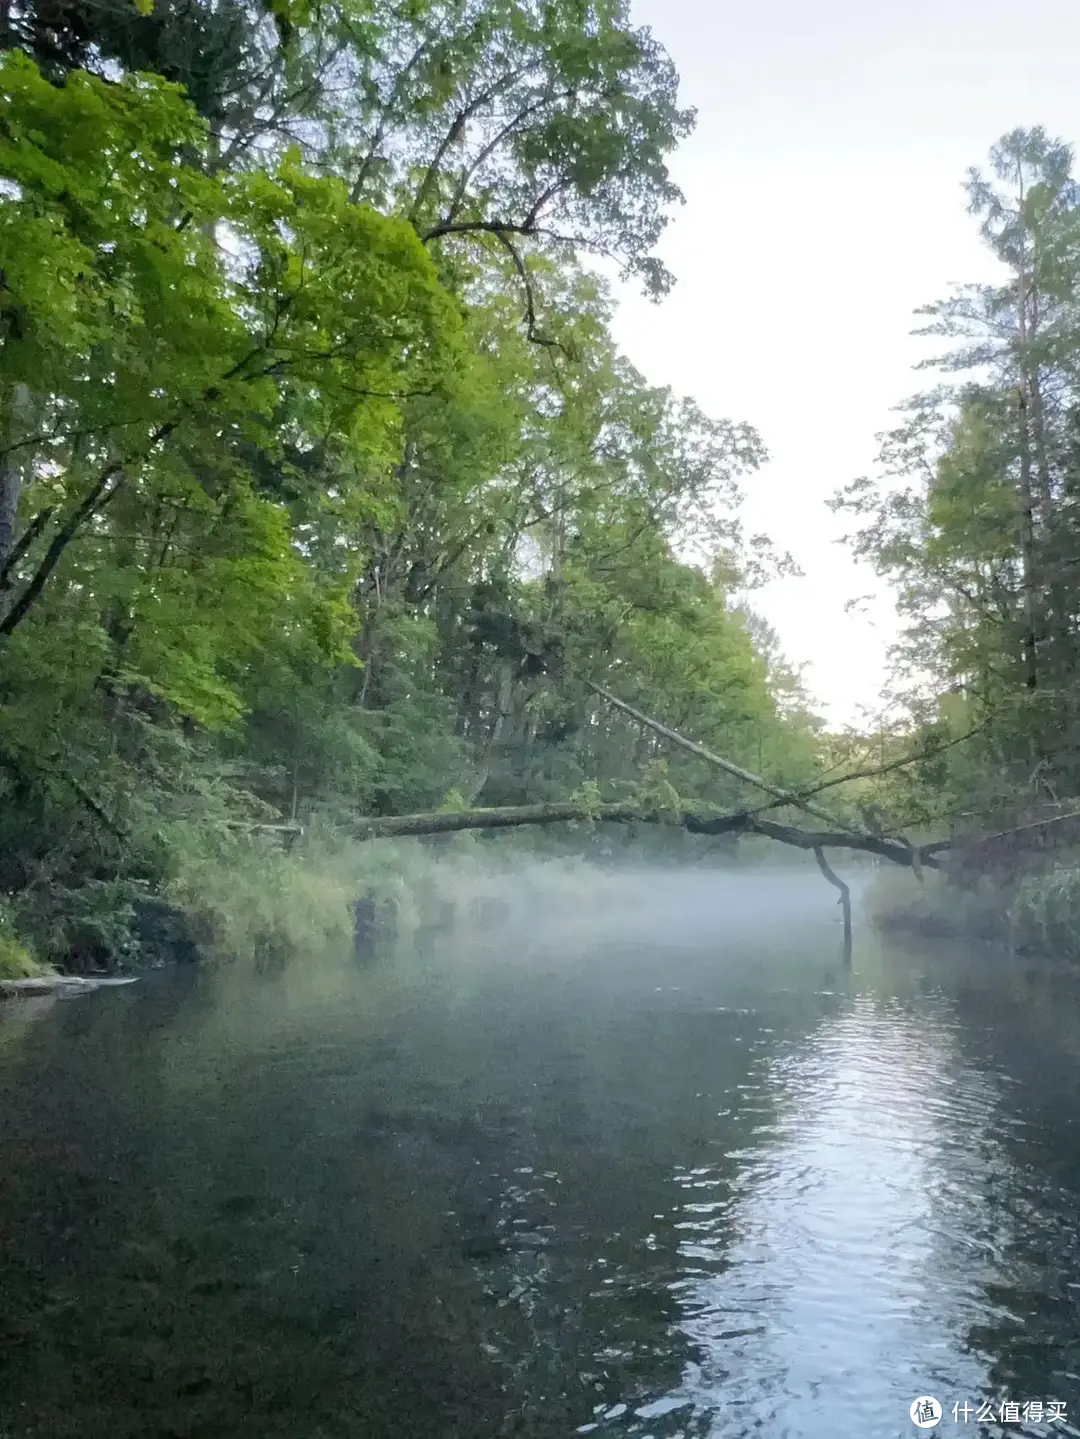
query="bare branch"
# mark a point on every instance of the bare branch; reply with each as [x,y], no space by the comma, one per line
[489,149]
[473,227]
[530,299]
[895,764]
[782,796]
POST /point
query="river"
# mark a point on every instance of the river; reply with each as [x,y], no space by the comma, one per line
[649,1162]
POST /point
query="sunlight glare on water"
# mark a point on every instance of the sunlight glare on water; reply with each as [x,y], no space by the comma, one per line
[848,1270]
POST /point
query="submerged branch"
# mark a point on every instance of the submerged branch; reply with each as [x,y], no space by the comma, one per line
[844,900]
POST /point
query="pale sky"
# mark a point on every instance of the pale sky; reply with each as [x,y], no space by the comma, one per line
[824,203]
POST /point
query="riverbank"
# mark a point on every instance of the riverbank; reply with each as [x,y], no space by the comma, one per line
[1033,913]
[59,984]
[253,901]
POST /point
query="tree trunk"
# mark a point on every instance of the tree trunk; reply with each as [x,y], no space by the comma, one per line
[1027,490]
[11,468]
[10,488]
[1027,554]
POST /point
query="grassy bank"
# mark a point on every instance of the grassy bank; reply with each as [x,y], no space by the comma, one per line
[234,896]
[223,896]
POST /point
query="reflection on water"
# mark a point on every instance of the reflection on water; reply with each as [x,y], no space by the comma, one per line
[647,1170]
[834,1280]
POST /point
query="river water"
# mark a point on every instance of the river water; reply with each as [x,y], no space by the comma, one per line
[648,1164]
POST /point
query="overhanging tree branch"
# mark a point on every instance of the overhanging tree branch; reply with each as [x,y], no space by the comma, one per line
[782,796]
[478,227]
[96,498]
[873,771]
[694,821]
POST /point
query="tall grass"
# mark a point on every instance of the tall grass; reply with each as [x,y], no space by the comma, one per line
[247,894]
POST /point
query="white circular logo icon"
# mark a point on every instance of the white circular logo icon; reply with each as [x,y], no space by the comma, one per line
[925,1412]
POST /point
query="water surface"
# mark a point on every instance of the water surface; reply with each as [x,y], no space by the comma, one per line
[650,1165]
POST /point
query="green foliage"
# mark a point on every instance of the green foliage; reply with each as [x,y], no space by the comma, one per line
[323,486]
[657,792]
[589,796]
[88,928]
[974,519]
[1044,912]
[251,896]
[1035,913]
[454,803]
[17,959]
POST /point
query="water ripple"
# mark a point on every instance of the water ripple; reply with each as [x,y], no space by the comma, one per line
[844,1265]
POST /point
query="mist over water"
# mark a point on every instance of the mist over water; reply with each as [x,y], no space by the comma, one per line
[635,1156]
